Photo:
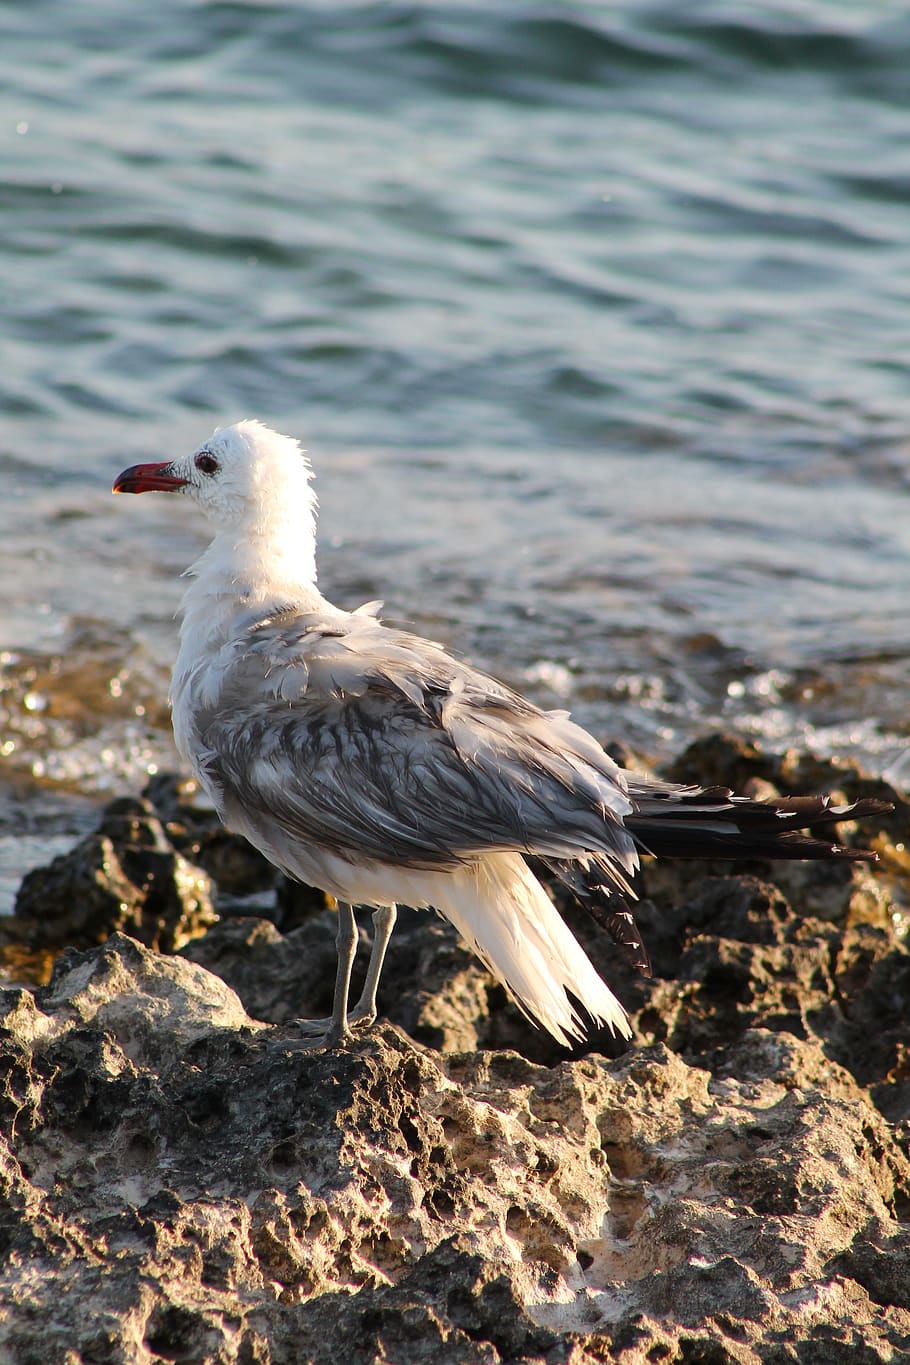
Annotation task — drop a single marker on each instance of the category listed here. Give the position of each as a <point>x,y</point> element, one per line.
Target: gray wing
<point>372,743</point>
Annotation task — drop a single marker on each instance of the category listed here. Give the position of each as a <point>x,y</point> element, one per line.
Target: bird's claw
<point>325,1033</point>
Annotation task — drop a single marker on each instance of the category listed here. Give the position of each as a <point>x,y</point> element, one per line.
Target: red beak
<point>148,478</point>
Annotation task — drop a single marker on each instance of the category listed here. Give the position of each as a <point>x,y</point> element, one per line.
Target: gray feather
<point>371,743</point>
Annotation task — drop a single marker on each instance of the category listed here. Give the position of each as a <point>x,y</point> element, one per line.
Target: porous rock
<point>125,876</point>
<point>181,1182</point>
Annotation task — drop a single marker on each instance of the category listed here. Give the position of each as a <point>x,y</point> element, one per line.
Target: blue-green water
<point>595,319</point>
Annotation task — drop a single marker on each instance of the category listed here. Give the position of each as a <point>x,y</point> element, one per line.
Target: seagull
<point>373,764</point>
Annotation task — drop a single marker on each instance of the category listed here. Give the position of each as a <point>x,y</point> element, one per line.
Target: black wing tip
<point>867,806</point>
<point>625,933</point>
<point>862,809</point>
<point>854,855</point>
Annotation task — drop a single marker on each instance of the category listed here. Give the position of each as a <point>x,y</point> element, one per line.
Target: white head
<point>255,486</point>
<point>243,476</point>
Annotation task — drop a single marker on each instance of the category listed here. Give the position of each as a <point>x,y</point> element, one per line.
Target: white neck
<point>266,563</point>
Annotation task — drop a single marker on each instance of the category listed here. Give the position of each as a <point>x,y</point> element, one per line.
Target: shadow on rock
<point>203,1189</point>
<point>456,1187</point>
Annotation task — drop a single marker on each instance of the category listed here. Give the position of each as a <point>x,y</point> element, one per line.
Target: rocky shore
<point>183,1182</point>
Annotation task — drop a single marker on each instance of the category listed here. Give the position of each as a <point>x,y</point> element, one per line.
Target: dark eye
<point>206,463</point>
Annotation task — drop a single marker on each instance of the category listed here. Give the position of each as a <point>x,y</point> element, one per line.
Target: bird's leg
<point>339,1031</point>
<point>384,917</point>
<point>336,1030</point>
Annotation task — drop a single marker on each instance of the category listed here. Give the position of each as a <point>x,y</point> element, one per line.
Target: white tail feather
<point>505,916</point>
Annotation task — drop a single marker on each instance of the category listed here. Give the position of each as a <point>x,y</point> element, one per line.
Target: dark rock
<point>746,959</point>
<point>195,1187</point>
<point>870,1032</point>
<point>296,903</point>
<point>278,977</point>
<point>883,1271</point>
<point>453,1307</point>
<point>125,876</point>
<point>721,760</point>
<point>196,832</point>
<point>239,870</point>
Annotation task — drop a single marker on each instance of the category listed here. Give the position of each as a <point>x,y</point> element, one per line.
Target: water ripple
<point>593,316</point>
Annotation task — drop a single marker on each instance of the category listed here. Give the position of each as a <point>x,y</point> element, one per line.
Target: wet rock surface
<point>182,1180</point>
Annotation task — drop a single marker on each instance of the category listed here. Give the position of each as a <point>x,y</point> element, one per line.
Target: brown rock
<point>194,1187</point>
